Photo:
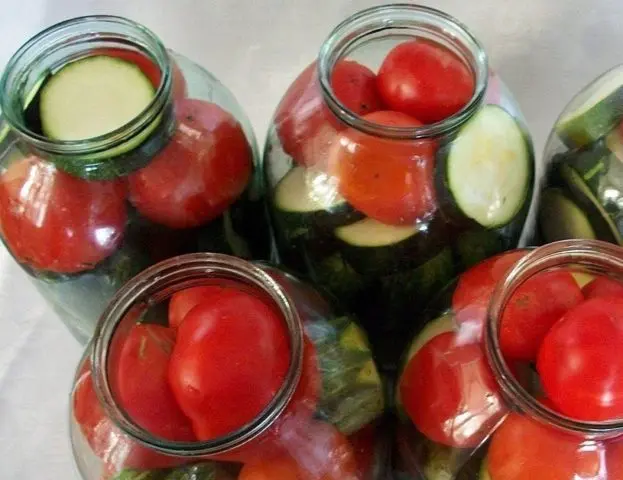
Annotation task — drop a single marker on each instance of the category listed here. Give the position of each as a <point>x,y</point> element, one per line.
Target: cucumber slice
<point>489,168</point>
<point>582,278</point>
<point>306,199</point>
<point>593,112</point>
<point>603,226</point>
<point>561,219</point>
<point>92,97</point>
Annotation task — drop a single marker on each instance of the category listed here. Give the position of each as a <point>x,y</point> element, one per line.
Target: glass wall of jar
<point>116,153</point>
<point>518,374</point>
<point>209,362</point>
<point>395,161</point>
<point>581,195</point>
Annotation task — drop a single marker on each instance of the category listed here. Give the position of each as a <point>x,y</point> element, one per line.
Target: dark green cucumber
<point>594,112</point>
<point>336,276</point>
<point>474,245</point>
<point>198,471</point>
<point>560,219</point>
<point>487,170</point>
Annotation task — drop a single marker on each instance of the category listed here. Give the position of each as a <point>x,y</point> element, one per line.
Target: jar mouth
<point>51,49</point>
<point>155,285</point>
<point>593,256</point>
<point>409,20</point>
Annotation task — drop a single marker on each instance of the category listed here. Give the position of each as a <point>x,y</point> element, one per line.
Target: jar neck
<point>403,20</point>
<point>591,256</point>
<point>155,285</point>
<point>47,52</point>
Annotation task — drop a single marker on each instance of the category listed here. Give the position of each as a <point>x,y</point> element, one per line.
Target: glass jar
<point>511,378</point>
<point>83,212</point>
<point>289,386</point>
<point>368,199</point>
<point>581,195</point>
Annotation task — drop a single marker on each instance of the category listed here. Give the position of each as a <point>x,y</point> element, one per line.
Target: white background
<point>545,50</point>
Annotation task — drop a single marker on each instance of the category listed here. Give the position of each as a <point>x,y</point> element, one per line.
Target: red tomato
<point>319,452</point>
<point>532,310</point>
<point>449,393</point>
<point>471,297</point>
<point>524,449</point>
<point>603,287</point>
<point>426,80</point>
<point>183,301</point>
<point>140,379</point>
<point>150,69</point>
<point>388,180</point>
<point>364,447</point>
<point>580,361</point>
<point>230,359</point>
<point>116,450</point>
<point>199,174</point>
<point>305,125</point>
<point>59,223</point>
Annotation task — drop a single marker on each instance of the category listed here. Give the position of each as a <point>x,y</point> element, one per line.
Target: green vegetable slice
<point>561,219</point>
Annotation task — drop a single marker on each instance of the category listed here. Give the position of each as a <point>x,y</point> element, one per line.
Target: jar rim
<point>401,16</point>
<point>81,31</point>
<point>157,283</point>
<point>593,255</point>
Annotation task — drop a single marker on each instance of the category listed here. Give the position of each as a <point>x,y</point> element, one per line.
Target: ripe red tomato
<point>116,450</point>
<point>388,180</point>
<point>426,80</point>
<point>199,174</point>
<point>319,452</point>
<point>449,393</point>
<point>230,359</point>
<point>150,69</point>
<point>364,447</point>
<point>183,301</point>
<point>579,361</point>
<point>532,310</point>
<point>603,287</point>
<point>471,297</point>
<point>59,223</point>
<point>305,125</point>
<point>140,380</point>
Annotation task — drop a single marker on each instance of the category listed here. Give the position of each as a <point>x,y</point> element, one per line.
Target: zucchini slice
<point>593,112</point>
<point>475,245</point>
<point>561,219</point>
<point>603,225</point>
<point>335,275</point>
<point>92,97</point>
<point>489,168</point>
<point>442,324</point>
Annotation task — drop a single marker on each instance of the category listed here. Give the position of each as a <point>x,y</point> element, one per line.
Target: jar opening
<point>403,21</point>
<point>157,284</point>
<point>582,256</point>
<point>68,41</point>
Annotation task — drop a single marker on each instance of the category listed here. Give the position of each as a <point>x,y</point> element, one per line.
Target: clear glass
<point>367,205</point>
<point>84,216</point>
<point>322,419</point>
<point>474,398</point>
<point>581,195</point>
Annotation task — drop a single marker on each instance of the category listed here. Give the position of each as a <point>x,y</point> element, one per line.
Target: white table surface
<point>544,49</point>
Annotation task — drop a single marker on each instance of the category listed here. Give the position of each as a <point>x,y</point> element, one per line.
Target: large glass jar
<point>116,153</point>
<point>395,161</point>
<point>581,195</point>
<point>517,374</point>
<point>265,379</point>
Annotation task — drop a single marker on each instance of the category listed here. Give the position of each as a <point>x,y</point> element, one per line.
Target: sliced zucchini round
<point>474,245</point>
<point>561,219</point>
<point>489,168</point>
<point>593,112</point>
<point>440,325</point>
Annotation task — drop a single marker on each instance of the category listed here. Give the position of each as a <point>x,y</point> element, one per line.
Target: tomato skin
<point>199,174</point>
<point>426,80</point>
<point>238,330</point>
<point>523,449</point>
<point>449,393</point>
<point>364,448</point>
<point>116,450</point>
<point>388,180</point>
<point>140,378</point>
<point>579,361</point>
<point>603,287</point>
<point>532,310</point>
<point>473,291</point>
<point>183,301</point>
<point>55,222</point>
<point>305,125</point>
